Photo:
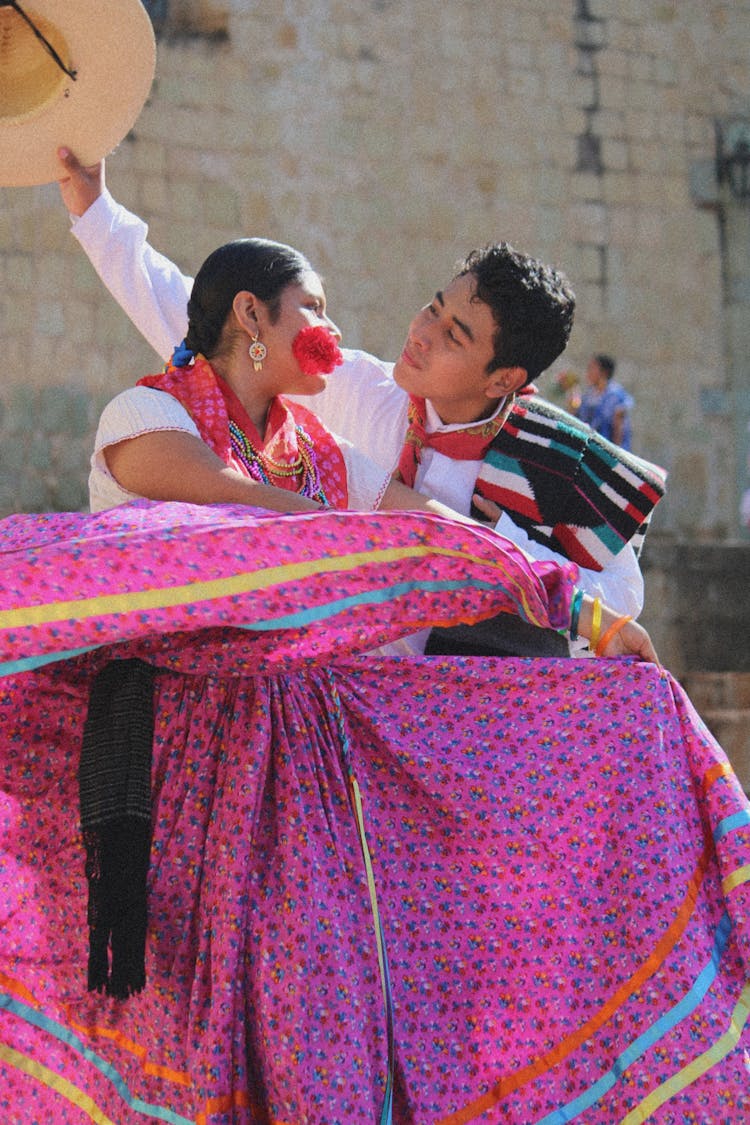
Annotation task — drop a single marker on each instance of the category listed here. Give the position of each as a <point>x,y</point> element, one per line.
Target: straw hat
<point>107,44</point>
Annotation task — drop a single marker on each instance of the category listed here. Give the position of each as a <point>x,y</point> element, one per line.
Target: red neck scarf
<point>293,437</point>
<point>468,444</point>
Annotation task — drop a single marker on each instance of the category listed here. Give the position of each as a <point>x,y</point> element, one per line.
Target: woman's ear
<point>505,380</point>
<point>245,307</point>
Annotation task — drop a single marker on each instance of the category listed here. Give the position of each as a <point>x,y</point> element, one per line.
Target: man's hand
<point>628,639</point>
<point>80,186</point>
<point>632,640</point>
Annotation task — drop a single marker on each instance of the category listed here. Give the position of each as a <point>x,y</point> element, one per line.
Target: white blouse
<point>143,410</point>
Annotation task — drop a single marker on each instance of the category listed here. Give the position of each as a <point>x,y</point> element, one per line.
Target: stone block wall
<point>386,140</point>
<point>698,613</point>
<point>698,604</point>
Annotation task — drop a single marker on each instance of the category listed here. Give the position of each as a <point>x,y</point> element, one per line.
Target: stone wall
<point>386,139</point>
<point>698,613</point>
<point>698,605</point>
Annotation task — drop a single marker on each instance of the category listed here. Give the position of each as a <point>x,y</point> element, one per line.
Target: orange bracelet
<point>613,630</point>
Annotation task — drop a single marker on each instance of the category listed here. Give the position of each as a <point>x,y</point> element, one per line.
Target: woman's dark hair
<point>532,305</point>
<point>258,265</point>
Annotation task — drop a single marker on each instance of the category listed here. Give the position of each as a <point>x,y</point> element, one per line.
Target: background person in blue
<point>605,404</point>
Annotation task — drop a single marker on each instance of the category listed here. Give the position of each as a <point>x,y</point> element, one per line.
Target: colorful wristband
<point>575,613</point>
<point>596,624</point>
<point>614,628</point>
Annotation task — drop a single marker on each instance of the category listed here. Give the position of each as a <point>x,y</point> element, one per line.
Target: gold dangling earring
<point>257,352</point>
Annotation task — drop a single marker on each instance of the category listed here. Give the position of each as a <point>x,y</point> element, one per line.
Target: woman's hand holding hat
<point>80,187</point>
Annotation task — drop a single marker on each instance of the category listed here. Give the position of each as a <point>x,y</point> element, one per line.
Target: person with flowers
<point>221,433</point>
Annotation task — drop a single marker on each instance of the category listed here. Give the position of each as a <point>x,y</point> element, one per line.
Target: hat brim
<point>113,52</point>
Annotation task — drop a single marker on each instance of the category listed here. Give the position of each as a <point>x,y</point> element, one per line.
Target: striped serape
<point>568,487</point>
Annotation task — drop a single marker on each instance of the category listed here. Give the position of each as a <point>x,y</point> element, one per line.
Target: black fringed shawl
<point>115,792</point>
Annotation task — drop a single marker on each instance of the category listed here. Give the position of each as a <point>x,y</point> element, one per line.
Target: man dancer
<point>436,415</point>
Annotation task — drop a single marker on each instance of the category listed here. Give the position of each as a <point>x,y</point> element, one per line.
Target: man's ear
<point>505,380</point>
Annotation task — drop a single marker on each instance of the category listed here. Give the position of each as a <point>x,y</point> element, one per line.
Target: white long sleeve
<point>151,289</point>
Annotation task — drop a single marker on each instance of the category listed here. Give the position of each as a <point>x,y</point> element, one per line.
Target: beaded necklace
<point>261,467</point>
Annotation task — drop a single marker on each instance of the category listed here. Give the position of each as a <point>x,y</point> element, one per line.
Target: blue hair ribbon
<point>182,355</point>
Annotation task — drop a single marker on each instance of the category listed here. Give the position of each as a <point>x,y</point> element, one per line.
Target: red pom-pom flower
<point>316,350</point>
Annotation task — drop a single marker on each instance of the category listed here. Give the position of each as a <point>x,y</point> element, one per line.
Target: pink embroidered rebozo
<point>316,351</point>
<point>211,403</point>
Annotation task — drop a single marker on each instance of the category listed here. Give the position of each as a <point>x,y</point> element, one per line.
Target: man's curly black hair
<point>532,305</point>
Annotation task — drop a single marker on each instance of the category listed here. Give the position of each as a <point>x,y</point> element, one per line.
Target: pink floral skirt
<point>419,890</point>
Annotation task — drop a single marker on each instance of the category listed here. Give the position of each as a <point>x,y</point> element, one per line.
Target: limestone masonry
<point>386,139</point>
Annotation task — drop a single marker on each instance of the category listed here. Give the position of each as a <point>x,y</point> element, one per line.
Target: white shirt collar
<point>433,423</point>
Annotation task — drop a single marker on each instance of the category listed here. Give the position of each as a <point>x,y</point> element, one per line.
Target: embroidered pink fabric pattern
<point>561,851</point>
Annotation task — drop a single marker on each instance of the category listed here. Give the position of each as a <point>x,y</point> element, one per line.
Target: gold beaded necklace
<point>261,467</point>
